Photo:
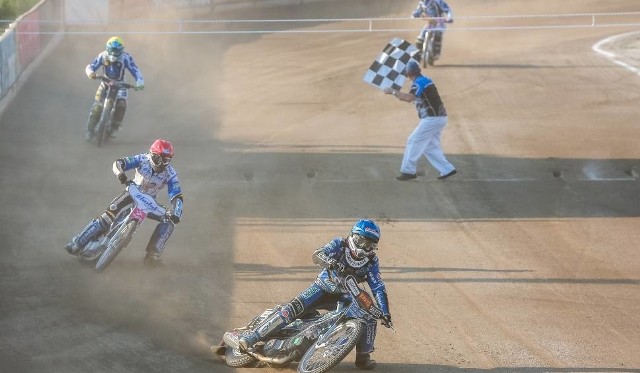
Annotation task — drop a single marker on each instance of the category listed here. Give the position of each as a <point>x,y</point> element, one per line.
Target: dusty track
<point>505,268</point>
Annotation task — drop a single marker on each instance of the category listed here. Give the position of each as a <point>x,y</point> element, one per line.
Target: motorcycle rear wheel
<point>327,352</point>
<point>119,241</point>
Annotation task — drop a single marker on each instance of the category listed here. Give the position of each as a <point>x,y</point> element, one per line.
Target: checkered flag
<point>386,70</point>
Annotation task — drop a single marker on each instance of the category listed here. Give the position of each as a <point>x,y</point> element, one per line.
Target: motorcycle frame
<point>105,123</point>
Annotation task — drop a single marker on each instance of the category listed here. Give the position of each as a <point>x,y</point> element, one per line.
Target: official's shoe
<point>403,176</point>
<point>363,361</point>
<point>454,172</point>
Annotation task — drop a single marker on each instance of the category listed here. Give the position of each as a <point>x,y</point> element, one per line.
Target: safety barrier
<point>25,42</point>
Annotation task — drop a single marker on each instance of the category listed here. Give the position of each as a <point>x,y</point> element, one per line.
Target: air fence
<point>29,38</point>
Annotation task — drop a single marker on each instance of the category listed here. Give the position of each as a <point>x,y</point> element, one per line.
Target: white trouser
<point>425,140</point>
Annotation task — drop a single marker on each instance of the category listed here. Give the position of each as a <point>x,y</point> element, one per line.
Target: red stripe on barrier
<point>28,38</point>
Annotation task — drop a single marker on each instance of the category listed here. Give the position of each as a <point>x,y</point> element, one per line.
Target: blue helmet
<point>412,68</point>
<point>364,237</point>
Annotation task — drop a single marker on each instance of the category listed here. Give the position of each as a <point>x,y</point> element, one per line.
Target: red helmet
<point>161,153</point>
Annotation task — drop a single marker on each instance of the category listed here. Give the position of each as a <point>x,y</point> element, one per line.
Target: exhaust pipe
<point>274,360</point>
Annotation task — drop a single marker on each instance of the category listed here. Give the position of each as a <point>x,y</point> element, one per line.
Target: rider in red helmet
<point>152,172</point>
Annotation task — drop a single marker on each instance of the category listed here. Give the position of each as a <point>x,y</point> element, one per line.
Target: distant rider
<point>433,9</point>
<point>114,60</point>
<point>354,254</point>
<point>153,172</point>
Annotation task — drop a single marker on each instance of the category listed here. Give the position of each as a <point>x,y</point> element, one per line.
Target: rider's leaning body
<point>353,255</point>
<point>153,172</point>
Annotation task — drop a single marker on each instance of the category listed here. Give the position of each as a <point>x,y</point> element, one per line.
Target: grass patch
<point>12,9</point>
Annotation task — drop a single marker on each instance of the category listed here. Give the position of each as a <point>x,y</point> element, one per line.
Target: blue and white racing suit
<point>149,182</point>
<point>324,291</point>
<point>114,68</point>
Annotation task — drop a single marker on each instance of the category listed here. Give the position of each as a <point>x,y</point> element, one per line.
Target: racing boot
<point>95,228</point>
<point>156,244</point>
<point>115,128</point>
<point>418,55</point>
<point>363,361</point>
<point>152,260</point>
<point>118,117</point>
<point>94,117</point>
<point>269,325</point>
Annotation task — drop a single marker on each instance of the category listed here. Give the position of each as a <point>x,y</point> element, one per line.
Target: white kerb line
<point>613,57</point>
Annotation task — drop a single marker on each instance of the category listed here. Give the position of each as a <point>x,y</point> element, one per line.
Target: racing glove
<point>448,17</point>
<point>174,218</point>
<point>92,75</point>
<point>139,85</point>
<point>386,321</point>
<point>123,178</point>
<point>336,265</point>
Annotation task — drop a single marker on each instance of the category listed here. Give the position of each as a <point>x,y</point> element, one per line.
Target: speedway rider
<point>153,172</point>
<point>353,255</point>
<point>114,60</point>
<point>432,9</point>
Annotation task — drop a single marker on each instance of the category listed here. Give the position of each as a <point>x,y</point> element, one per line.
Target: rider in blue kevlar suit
<point>433,9</point>
<point>114,60</point>
<point>355,255</point>
<point>153,172</point>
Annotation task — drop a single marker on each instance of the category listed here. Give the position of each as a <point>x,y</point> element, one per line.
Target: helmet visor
<point>364,246</point>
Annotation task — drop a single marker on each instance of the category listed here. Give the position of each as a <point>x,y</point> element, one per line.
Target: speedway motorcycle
<point>427,45</point>
<point>104,249</point>
<point>105,124</point>
<point>318,340</point>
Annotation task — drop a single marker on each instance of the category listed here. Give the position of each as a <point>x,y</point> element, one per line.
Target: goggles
<point>160,160</point>
<point>364,245</point>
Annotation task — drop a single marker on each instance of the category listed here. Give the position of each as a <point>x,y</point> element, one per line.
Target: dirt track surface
<point>280,146</point>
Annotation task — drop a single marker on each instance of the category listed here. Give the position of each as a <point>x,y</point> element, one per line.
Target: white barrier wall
<point>25,42</point>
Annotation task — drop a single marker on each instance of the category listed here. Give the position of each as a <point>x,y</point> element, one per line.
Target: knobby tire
<point>105,119</point>
<point>234,358</point>
<point>332,349</point>
<point>115,245</point>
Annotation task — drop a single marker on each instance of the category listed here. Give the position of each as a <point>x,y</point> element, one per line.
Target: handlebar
<point>114,83</point>
<point>147,203</point>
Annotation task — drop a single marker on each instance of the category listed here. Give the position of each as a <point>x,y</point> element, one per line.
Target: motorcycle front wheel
<point>327,352</point>
<point>104,123</point>
<point>234,358</point>
<point>119,241</point>
<point>425,50</point>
